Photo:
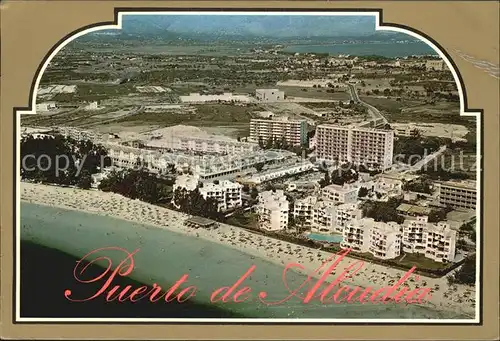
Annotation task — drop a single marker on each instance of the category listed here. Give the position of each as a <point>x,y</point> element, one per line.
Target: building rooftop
<point>409,209</point>
<point>469,184</point>
<point>199,222</point>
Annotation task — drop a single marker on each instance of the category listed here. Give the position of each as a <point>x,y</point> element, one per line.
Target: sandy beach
<point>456,298</point>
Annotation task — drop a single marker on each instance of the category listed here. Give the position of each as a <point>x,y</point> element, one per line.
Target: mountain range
<point>275,26</point>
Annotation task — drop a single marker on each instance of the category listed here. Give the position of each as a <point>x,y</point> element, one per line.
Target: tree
<point>363,192</point>
<point>259,166</point>
<point>467,272</point>
<point>85,180</point>
<point>254,193</point>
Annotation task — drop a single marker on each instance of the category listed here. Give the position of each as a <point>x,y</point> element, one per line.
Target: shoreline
<point>444,298</point>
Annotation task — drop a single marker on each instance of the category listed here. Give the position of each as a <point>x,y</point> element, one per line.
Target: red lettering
<point>228,290</point>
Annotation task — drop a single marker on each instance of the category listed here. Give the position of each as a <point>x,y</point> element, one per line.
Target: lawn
<point>421,262</point>
<point>246,219</point>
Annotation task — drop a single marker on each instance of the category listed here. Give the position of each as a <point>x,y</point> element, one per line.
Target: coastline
<point>262,247</point>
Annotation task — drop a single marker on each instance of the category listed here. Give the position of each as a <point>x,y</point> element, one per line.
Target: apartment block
<point>345,213</point>
<point>303,210</point>
<point>227,194</point>
<point>340,194</point>
<point>273,210</point>
<point>323,217</point>
<point>269,95</point>
<point>382,240</point>
<point>293,132</point>
<point>457,194</point>
<point>435,241</point>
<point>367,146</point>
<point>202,145</point>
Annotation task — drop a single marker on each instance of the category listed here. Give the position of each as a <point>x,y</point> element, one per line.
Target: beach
<point>458,299</point>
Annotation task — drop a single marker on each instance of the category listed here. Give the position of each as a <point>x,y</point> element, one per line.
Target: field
<point>207,115</point>
<point>319,93</point>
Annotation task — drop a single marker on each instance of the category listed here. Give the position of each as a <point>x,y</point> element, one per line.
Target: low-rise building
<point>340,194</point>
<point>272,210</point>
<point>457,194</point>
<point>269,95</point>
<point>436,65</point>
<point>46,106</point>
<point>276,173</point>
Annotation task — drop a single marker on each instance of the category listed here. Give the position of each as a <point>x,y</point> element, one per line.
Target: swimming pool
<point>325,237</point>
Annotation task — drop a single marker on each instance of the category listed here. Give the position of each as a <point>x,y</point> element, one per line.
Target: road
<point>404,168</point>
<point>374,112</point>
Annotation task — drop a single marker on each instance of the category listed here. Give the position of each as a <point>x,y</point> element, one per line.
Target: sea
<point>391,50</point>
<point>54,239</point>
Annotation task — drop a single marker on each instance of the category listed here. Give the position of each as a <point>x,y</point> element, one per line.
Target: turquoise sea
<point>165,256</point>
<point>391,50</point>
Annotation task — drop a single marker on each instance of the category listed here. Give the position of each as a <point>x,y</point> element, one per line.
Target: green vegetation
<point>243,219</point>
<point>411,150</point>
<point>383,211</point>
<point>420,261</point>
<point>443,175</point>
<point>466,274</point>
<point>56,160</point>
<point>138,184</point>
<point>193,203</point>
<point>419,185</point>
<point>363,192</point>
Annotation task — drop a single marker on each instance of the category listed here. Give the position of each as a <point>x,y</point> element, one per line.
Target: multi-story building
<point>269,95</point>
<point>340,194</point>
<point>272,210</point>
<point>323,217</point>
<point>303,210</point>
<point>367,146</point>
<point>457,194</point>
<point>207,145</point>
<point>435,241</point>
<point>383,240</point>
<point>294,132</point>
<point>344,213</point>
<point>227,194</point>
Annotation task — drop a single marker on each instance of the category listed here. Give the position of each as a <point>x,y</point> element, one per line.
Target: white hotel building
<point>435,241</point>
<point>273,209</point>
<point>383,240</point>
<point>355,144</point>
<point>340,194</point>
<point>303,209</point>
<point>293,131</point>
<point>227,194</point>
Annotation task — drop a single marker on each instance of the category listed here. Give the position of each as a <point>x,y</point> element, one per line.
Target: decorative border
<point>117,24</point>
